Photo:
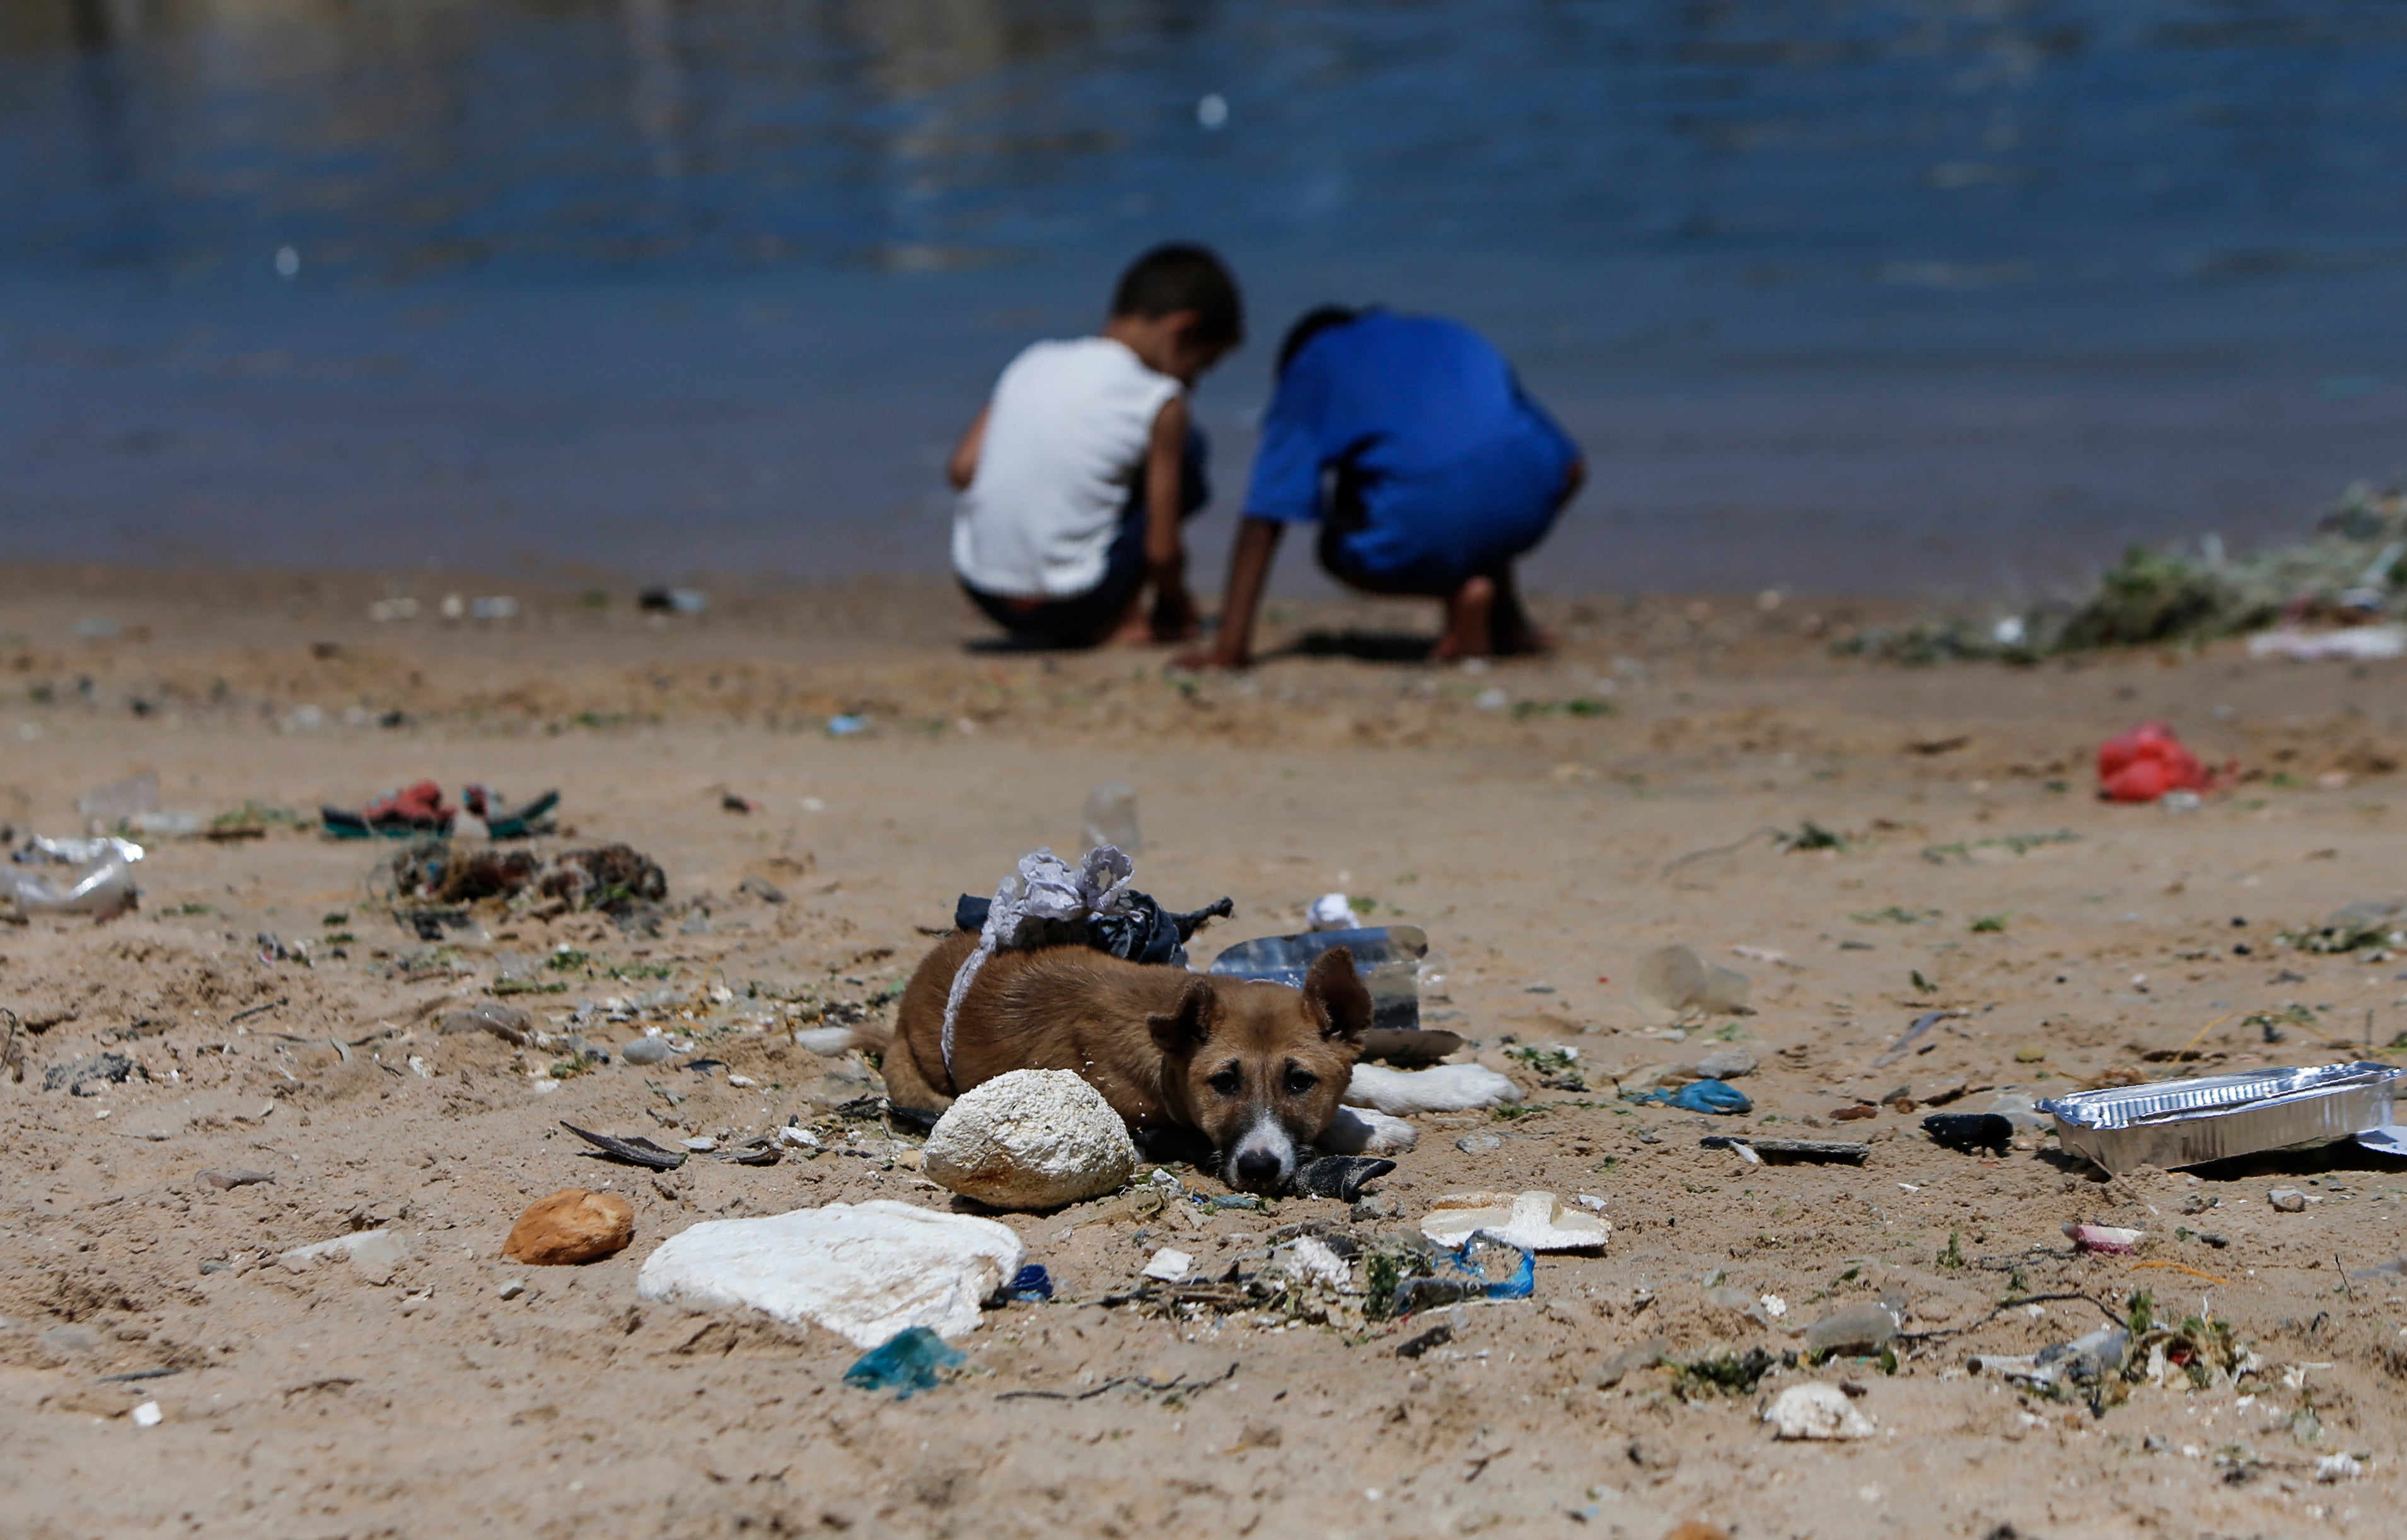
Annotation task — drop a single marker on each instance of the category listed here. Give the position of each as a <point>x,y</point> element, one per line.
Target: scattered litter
<point>40,851</point>
<point>148,1415</point>
<point>1388,961</point>
<point>412,810</point>
<point>1816,1412</point>
<point>116,805</point>
<point>1821,1151</point>
<point>1032,1138</point>
<point>506,1022</point>
<point>1533,1222</point>
<point>2108,1240</point>
<point>2338,1467</point>
<point>1367,1131</point>
<point>2145,763</point>
<point>1332,912</point>
<point>864,1271</point>
<point>846,726</point>
<point>2172,1123</point>
<point>373,1254</point>
<point>673,600</point>
<point>1715,1096</point>
<point>1339,1177</point>
<point>1441,1088</point>
<point>700,1145</point>
<point>1436,1336</point>
<point>1863,1326</point>
<point>503,821</point>
<point>78,1077</point>
<point>571,1226</point>
<point>1970,1132</point>
<point>226,1181</point>
<point>2353,644</point>
<point>1481,1269</point>
<point>1031,1285</point>
<point>1111,818</point>
<point>1674,981</point>
<point>614,879</point>
<point>906,1363</point>
<point>1915,1034</point>
<point>637,1151</point>
<point>1311,1261</point>
<point>1170,1266</point>
<point>103,888</point>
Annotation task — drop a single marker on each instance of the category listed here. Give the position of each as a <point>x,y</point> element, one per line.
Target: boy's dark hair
<point>1311,325</point>
<point>1181,275</point>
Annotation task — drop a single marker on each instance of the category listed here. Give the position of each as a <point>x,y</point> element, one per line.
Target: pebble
<point>573,1225</point>
<point>512,1289</point>
<point>506,1022</point>
<point>1864,1327</point>
<point>228,1180</point>
<point>1479,1143</point>
<point>2289,1200</point>
<point>1816,1412</point>
<point>647,1050</point>
<point>373,1254</point>
<point>701,1144</point>
<point>1726,1063</point>
<point>148,1415</point>
<point>1033,1138</point>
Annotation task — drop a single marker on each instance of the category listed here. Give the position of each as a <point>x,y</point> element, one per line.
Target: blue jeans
<point>1084,620</point>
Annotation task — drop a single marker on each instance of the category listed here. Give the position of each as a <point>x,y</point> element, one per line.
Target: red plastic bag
<point>2147,763</point>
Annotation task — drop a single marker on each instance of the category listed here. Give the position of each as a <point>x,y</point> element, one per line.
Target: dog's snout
<point>1257,1168</point>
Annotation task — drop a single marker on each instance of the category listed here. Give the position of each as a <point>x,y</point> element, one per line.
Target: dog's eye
<point>1300,1081</point>
<point>1228,1082</point>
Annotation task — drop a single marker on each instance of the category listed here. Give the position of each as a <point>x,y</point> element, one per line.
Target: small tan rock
<point>572,1226</point>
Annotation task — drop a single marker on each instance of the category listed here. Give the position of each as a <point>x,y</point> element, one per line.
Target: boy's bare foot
<point>1511,631</point>
<point>1468,612</point>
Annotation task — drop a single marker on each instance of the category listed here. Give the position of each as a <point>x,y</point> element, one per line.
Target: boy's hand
<point>1174,615</point>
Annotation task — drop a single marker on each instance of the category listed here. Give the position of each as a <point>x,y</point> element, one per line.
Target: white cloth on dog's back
<point>1042,902</point>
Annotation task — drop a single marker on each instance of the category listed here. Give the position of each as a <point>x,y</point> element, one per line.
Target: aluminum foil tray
<point>2173,1123</point>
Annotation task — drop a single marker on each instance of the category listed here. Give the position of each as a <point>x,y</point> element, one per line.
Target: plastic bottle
<point>1388,960</point>
<point>1111,817</point>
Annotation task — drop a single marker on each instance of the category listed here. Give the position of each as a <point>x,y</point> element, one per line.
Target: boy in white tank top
<point>1074,479</point>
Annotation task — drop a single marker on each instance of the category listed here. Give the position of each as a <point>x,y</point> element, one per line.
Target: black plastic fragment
<point>1340,1177</point>
<point>1970,1132</point>
<point>1436,1336</point>
<point>633,1151</point>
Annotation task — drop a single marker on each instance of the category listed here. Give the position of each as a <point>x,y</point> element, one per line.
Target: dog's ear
<point>1335,994</point>
<point>1188,1026</point>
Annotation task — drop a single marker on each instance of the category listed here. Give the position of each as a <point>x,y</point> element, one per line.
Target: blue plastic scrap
<point>1472,1273</point>
<point>1031,1285</point>
<point>906,1363</point>
<point>1702,1096</point>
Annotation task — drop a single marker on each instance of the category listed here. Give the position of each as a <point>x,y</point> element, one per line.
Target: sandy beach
<point>1549,823</point>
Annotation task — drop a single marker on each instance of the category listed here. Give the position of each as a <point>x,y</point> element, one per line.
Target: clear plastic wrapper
<point>1387,958</point>
<point>102,887</point>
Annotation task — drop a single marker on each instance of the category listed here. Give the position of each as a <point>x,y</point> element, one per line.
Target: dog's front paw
<point>1361,1130</point>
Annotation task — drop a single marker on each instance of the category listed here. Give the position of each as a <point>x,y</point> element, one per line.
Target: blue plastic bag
<point>906,1363</point>
<point>1031,1285</point>
<point>1704,1096</point>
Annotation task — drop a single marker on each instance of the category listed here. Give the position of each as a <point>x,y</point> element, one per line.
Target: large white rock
<point>863,1271</point>
<point>1818,1412</point>
<point>1534,1221</point>
<point>1441,1088</point>
<point>1034,1138</point>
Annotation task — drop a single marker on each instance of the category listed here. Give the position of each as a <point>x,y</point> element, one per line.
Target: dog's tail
<point>829,1042</point>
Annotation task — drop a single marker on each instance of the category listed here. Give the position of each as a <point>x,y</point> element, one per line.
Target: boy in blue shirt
<point>1430,470</point>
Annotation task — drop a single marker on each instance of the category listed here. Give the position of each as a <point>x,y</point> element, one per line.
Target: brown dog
<point>1258,1069</point>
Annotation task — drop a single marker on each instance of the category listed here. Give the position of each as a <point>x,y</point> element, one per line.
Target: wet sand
<point>1529,815</point>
